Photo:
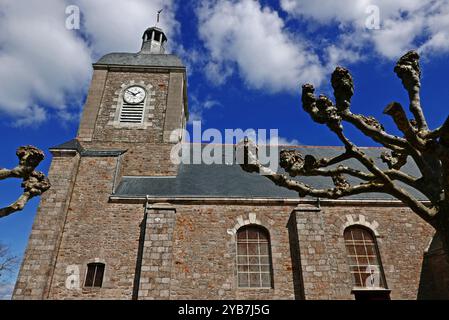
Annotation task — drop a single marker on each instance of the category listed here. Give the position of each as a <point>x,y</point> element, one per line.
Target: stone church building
<point>122,221</point>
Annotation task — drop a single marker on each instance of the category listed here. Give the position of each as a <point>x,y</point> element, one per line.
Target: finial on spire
<point>159,14</point>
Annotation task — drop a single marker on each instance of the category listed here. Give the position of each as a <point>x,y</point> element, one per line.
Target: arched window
<point>94,275</point>
<point>254,266</point>
<point>364,258</point>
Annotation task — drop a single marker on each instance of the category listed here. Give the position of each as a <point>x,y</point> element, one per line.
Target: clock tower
<point>135,102</point>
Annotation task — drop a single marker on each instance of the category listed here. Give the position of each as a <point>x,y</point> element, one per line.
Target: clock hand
<point>131,92</point>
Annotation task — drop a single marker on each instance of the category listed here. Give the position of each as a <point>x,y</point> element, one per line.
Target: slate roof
<point>230,181</point>
<point>141,59</point>
<point>69,145</point>
<point>76,146</point>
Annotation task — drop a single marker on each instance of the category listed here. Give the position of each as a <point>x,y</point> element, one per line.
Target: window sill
<point>89,289</point>
<point>369,294</point>
<point>253,289</point>
<point>357,290</point>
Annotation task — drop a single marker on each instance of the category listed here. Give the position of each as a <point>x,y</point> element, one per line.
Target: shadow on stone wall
<point>136,283</point>
<point>295,257</point>
<point>434,280</point>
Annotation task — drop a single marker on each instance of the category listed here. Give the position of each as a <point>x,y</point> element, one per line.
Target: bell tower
<point>136,102</point>
<point>154,41</point>
<point>136,97</point>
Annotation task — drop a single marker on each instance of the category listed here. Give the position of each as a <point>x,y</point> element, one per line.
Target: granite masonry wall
<point>190,251</point>
<point>34,278</point>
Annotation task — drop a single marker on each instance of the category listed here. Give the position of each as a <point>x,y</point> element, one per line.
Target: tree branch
<point>396,111</point>
<point>305,190</point>
<point>409,71</point>
<point>34,183</point>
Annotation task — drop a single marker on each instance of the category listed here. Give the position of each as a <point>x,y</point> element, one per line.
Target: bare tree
<point>429,149</point>
<point>8,262</point>
<point>34,183</point>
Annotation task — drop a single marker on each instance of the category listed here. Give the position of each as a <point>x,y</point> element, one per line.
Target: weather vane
<point>159,14</point>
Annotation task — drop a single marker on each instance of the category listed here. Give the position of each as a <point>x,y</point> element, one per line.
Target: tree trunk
<point>434,281</point>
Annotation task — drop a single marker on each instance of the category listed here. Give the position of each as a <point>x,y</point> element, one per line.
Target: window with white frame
<point>364,258</point>
<point>254,265</point>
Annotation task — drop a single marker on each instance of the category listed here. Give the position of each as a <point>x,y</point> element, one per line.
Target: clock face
<point>134,95</point>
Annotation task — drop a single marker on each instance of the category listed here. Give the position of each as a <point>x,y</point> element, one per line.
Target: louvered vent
<point>132,113</point>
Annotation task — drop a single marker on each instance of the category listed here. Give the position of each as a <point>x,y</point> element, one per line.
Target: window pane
<point>264,260</point>
<point>252,234</point>
<point>266,280</point>
<point>243,280</point>
<point>90,276</point>
<point>254,280</point>
<point>263,236</point>
<point>264,247</point>
<point>253,249</point>
<point>254,260</point>
<point>243,268</point>
<point>241,235</point>
<point>265,268</point>
<point>99,276</point>
<point>254,268</point>
<point>242,249</point>
<point>242,259</point>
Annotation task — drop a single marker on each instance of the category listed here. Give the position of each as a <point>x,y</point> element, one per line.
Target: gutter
<point>245,200</point>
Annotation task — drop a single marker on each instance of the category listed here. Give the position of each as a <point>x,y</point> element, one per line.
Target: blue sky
<point>246,62</point>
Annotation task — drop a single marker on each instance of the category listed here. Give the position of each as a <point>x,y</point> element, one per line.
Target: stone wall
<point>108,130</point>
<point>191,254</point>
<point>155,263</point>
<point>140,159</point>
<point>37,267</point>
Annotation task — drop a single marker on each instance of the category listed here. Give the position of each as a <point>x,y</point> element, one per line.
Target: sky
<point>246,62</point>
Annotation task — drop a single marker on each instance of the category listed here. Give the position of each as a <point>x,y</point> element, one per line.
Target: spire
<point>154,39</point>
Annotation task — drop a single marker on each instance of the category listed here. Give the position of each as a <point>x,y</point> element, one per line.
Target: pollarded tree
<point>429,149</point>
<point>34,183</point>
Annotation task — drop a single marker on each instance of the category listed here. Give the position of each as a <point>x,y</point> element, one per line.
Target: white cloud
<point>404,24</point>
<point>41,62</point>
<point>46,68</point>
<point>199,105</point>
<point>253,39</point>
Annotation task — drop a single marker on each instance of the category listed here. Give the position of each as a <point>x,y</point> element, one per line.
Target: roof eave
<point>123,66</point>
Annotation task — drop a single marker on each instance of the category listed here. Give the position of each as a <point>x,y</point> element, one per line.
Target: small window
<point>94,276</point>
<point>364,258</point>
<point>254,265</point>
